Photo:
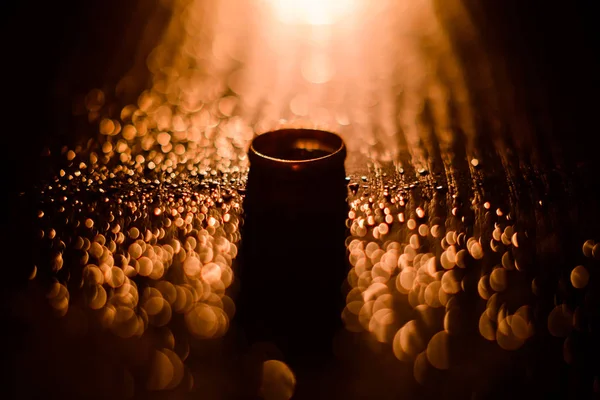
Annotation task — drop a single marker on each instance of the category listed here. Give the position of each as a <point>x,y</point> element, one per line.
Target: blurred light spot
<point>580,277</point>
<point>438,352</point>
<point>278,381</point>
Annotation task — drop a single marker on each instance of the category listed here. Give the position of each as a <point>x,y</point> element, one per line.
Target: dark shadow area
<point>293,259</point>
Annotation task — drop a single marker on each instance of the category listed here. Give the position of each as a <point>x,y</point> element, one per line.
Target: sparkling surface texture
<point>472,233</point>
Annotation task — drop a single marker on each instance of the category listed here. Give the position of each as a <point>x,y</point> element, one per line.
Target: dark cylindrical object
<point>293,254</point>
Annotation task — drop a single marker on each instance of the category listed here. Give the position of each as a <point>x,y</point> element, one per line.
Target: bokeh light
<point>138,231</point>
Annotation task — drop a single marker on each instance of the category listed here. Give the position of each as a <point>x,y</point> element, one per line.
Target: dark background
<point>54,51</point>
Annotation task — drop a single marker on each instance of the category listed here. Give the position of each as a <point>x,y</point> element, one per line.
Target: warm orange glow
<point>312,12</point>
<point>356,67</point>
<point>278,381</point>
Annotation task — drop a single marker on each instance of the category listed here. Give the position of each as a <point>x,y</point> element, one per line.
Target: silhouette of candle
<point>293,253</point>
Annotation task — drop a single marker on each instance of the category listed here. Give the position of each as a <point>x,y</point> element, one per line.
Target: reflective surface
<point>471,226</point>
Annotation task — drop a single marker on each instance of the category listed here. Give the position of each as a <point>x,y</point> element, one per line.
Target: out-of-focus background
<point>544,53</point>
<point>472,177</point>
